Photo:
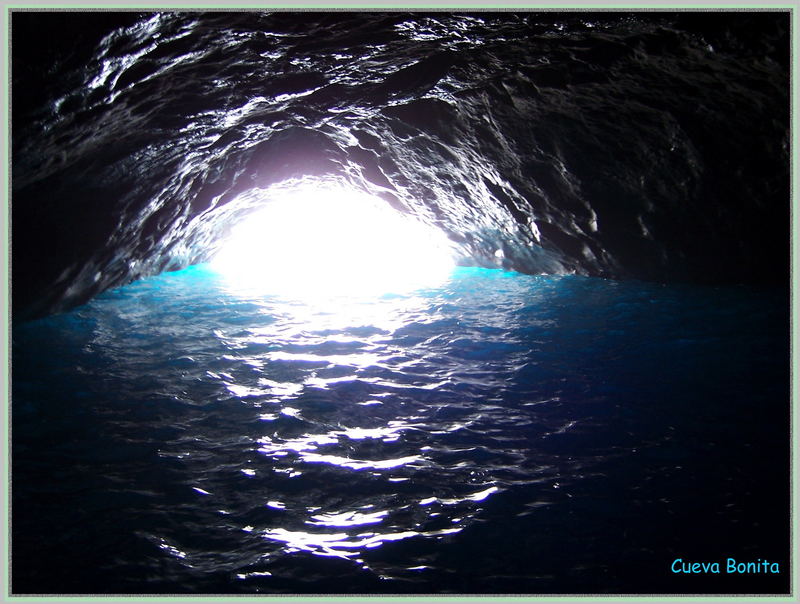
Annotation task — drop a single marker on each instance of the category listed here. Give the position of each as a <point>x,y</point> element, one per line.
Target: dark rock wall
<point>650,145</point>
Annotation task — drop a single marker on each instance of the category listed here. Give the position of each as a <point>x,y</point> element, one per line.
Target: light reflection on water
<point>306,369</point>
<point>255,431</point>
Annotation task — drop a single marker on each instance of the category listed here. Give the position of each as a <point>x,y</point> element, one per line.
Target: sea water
<point>501,433</point>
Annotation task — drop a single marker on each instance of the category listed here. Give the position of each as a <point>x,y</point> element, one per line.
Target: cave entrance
<point>318,242</point>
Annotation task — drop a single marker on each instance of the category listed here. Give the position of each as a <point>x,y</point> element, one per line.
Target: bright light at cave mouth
<point>318,243</point>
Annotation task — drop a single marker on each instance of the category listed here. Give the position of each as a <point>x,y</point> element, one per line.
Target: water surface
<point>500,434</point>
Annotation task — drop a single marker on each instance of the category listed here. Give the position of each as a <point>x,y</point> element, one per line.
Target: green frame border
<point>6,8</point>
<point>403,5</point>
<point>5,302</point>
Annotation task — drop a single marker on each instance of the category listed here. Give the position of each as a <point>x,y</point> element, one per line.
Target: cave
<point>600,390</point>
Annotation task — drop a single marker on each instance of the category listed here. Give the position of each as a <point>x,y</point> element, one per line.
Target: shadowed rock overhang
<point>637,145</point>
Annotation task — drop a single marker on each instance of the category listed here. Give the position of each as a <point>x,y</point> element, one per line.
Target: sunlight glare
<point>333,242</point>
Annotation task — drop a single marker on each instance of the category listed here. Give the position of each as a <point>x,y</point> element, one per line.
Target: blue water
<point>500,434</point>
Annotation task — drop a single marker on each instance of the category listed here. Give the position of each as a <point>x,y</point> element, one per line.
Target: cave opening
<point>323,241</point>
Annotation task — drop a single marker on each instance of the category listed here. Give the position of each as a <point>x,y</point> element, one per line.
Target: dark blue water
<point>501,434</point>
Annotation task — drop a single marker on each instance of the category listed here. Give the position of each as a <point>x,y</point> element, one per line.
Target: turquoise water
<point>500,434</point>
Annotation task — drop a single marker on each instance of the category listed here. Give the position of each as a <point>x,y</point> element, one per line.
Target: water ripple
<point>401,440</point>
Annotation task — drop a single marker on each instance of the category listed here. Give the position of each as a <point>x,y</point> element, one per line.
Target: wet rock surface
<point>650,145</point>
